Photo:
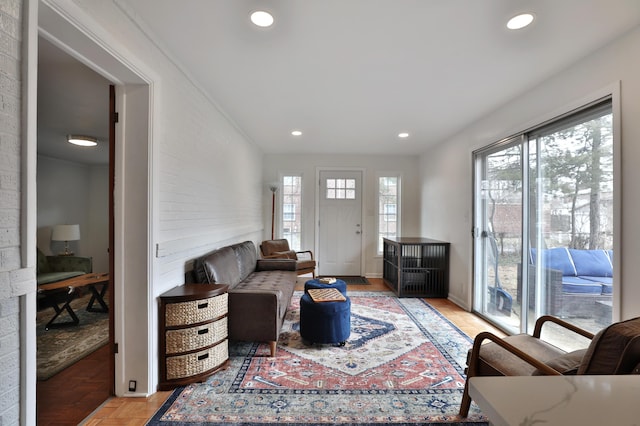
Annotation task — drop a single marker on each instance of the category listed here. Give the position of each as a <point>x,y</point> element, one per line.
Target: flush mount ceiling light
<point>82,140</point>
<point>262,18</point>
<point>296,133</point>
<point>520,21</point>
<point>403,135</point>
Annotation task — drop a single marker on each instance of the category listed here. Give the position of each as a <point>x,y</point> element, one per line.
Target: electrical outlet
<point>132,385</point>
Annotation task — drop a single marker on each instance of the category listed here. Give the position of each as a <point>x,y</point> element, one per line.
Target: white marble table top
<point>558,400</point>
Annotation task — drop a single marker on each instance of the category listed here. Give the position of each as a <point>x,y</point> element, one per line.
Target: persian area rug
<point>58,348</point>
<point>403,364</point>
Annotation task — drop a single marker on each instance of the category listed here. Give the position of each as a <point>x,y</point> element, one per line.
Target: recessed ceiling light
<point>262,18</point>
<point>296,133</point>
<point>403,135</point>
<point>82,140</point>
<point>520,21</point>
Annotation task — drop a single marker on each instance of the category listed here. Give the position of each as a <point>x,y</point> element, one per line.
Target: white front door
<point>340,223</point>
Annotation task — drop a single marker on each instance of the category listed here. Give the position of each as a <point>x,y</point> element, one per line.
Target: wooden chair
<point>279,249</point>
<point>613,350</point>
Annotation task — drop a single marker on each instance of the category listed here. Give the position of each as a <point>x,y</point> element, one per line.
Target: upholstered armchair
<point>613,350</point>
<point>279,249</point>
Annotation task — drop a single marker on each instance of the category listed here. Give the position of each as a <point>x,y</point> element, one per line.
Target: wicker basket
<point>188,339</point>
<point>196,363</point>
<point>196,311</point>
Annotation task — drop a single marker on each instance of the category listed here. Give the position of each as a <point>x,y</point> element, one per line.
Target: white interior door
<point>340,222</point>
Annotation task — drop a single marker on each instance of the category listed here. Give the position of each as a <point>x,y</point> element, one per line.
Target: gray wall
<point>613,68</point>
<point>70,193</point>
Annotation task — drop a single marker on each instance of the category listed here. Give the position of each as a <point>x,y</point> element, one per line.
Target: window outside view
<point>388,223</point>
<point>292,210</point>
<point>568,245</point>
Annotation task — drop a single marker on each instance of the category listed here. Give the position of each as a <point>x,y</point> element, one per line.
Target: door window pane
<point>341,189</point>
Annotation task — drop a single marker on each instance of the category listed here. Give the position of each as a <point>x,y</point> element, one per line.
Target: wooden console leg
<point>272,346</point>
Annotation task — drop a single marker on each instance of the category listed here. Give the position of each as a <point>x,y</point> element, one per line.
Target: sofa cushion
<point>496,359</point>
<point>556,258</point>
<point>52,277</point>
<point>288,254</point>
<point>578,285</point>
<point>606,348</point>
<point>607,288</point>
<point>269,247</point>
<point>246,256</point>
<point>272,282</point>
<point>591,263</point>
<point>221,267</point>
<point>566,364</point>
<point>276,264</point>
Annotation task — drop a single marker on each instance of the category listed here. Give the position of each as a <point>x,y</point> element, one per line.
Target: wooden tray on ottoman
<point>326,295</point>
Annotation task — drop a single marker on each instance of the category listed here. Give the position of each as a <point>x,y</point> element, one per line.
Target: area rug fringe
<point>403,365</point>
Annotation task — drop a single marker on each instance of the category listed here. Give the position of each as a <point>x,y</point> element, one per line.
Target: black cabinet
<point>416,267</point>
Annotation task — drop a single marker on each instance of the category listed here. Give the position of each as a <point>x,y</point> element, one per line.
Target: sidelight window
<point>292,210</point>
<point>388,208</point>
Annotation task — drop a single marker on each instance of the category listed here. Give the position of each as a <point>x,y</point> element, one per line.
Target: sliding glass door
<point>543,223</point>
<point>498,231</point>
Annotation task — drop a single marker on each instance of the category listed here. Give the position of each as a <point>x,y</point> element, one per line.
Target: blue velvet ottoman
<point>316,283</point>
<point>325,322</point>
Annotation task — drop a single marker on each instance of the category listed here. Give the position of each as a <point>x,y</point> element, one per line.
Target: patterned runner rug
<point>58,348</point>
<point>403,364</point>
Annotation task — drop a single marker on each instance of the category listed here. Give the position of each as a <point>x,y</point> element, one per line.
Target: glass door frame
<point>532,232</point>
<point>479,236</point>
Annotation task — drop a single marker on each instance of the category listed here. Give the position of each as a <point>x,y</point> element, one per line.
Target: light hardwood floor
<point>137,411</point>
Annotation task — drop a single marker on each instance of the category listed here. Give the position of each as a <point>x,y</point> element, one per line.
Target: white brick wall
<point>13,280</point>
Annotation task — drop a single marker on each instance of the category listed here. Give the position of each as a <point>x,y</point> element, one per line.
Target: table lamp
<point>66,233</point>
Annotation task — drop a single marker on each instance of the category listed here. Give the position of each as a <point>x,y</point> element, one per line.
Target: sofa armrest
<point>254,316</point>
<point>276,264</point>
<point>70,263</point>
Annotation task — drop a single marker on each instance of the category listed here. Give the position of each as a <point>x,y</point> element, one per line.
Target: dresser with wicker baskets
<point>193,333</point>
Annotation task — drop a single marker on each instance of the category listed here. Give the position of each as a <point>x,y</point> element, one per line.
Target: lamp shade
<point>66,233</point>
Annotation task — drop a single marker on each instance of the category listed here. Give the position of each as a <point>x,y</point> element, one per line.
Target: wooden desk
<point>65,291</point>
<point>558,400</point>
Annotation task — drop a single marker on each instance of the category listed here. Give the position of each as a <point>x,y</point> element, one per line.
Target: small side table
<point>193,333</point>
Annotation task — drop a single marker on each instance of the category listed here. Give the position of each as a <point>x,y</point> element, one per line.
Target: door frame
<point>69,28</point>
<point>363,202</point>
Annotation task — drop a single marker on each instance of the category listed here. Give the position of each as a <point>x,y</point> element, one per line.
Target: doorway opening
<point>129,212</point>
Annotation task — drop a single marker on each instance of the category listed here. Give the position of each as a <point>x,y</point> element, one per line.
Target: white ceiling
<point>72,99</point>
<point>352,74</point>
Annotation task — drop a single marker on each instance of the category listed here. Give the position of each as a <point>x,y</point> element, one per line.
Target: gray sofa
<point>51,269</point>
<point>259,290</point>
<point>579,282</point>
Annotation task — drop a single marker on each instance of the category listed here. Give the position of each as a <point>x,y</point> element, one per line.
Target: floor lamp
<point>273,188</point>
